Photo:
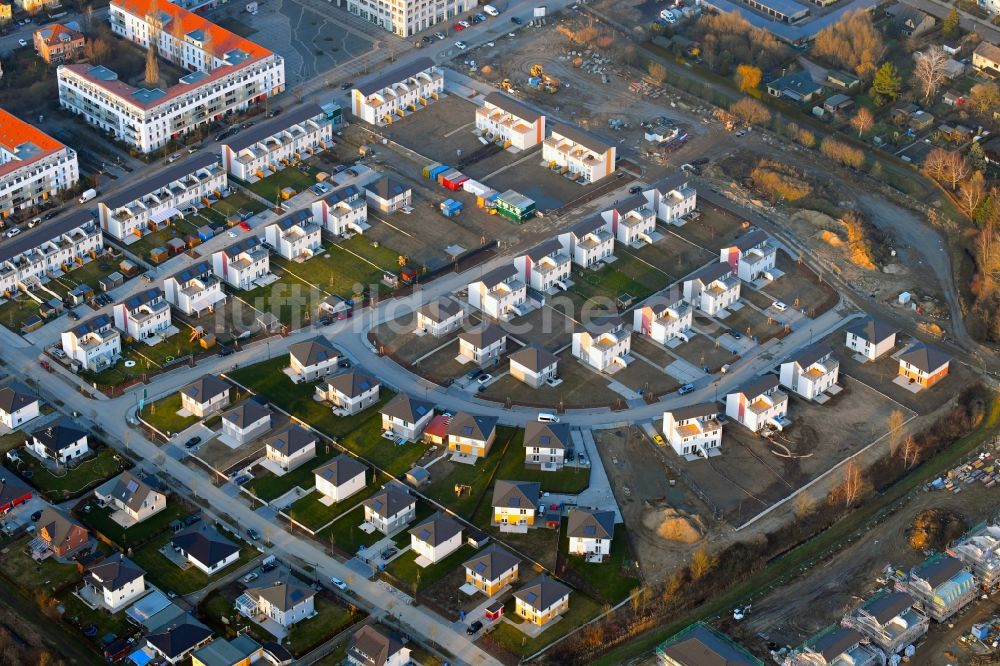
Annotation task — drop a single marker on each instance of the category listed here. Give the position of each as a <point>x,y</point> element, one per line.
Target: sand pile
<point>674,525</point>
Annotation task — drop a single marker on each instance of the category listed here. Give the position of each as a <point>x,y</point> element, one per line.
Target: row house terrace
<point>194,290</point>
<point>153,203</point>
<point>397,92</point>
<point>579,154</point>
<point>48,250</point>
<point>343,211</point>
<point>285,140</point>
<point>295,237</point>
<point>510,123</point>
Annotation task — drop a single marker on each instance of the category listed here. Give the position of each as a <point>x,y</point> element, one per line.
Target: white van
<point>548,418</point>
<point>491,10</point>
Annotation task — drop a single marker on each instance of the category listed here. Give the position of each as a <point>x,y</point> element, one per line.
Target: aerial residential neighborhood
<point>558,333</point>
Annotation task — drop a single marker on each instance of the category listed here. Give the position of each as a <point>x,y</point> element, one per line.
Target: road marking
<point>391,226</point>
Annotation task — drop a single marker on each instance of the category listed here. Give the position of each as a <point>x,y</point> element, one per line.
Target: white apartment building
<point>588,242</point>
<point>713,288</point>
<point>242,263</point>
<point>543,266</point>
<point>510,123</point>
<point>397,92</point>
<point>295,237</point>
<point>752,256</point>
<point>871,338</point>
<point>694,430</point>
<point>227,73</point>
<point>483,344</point>
<point>343,210</point>
<point>145,316</point>
<point>33,165</point>
<point>194,290</point>
<point>632,221</point>
<point>94,344</point>
<point>663,318</point>
<point>60,245</point>
<point>153,203</point>
<point>603,344</point>
<point>578,153</point>
<point>406,17</point>
<point>498,293</point>
<point>278,143</point>
<point>672,198</point>
<point>759,404</point>
<point>811,372</point>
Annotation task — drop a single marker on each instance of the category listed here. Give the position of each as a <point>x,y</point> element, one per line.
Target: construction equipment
<point>537,70</point>
<point>507,85</point>
<point>726,118</point>
<point>539,79</point>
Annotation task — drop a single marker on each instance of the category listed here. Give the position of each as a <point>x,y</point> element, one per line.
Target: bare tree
<point>748,77</point>
<point>750,111</point>
<point>863,120</point>
<point>851,42</point>
<point>895,430</point>
<point>947,166</point>
<point>910,453</point>
<point>657,72</point>
<point>701,563</point>
<point>152,65</point>
<point>850,487</point>
<point>972,192</point>
<point>929,71</point>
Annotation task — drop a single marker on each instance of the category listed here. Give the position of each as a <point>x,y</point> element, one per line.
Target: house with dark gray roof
<point>871,338</point>
<point>195,289</point>
<point>239,651</point>
<point>205,396</point>
<point>811,372</point>
<point>435,539</point>
<point>701,645</point>
<point>590,533</point>
<point>471,435</point>
<point>58,534</point>
<point>712,288</point>
<point>533,365</point>
<point>498,293</point>
<point>545,444</point>
<point>274,144</point>
<point>541,600</point>
<point>17,405</point>
<point>205,548</point>
<point>388,194</point>
<point>61,441</point>
<point>759,404</point>
<point>923,365</point>
<point>584,156</point>
<point>940,586</point>
<point>588,242</point>
<point>694,431</point>
<point>145,316</point>
<point>177,640</point>
<point>483,344</point>
<point>340,478</point>
<point>545,267</point>
<point>664,317</point>
<point>406,417</point>
<point>350,392</point>
<point>376,645</point>
<point>285,601</point>
<point>888,620</point>
<point>290,447</point>
<point>132,499</point>
<point>246,421</point>
<point>93,344</point>
<point>311,359</point>
<point>510,123</point>
<point>243,264</point>
<point>115,582</point>
<point>515,504</point>
<point>752,256</point>
<point>390,510</point>
<point>440,316</point>
<point>833,646</point>
<point>491,570</point>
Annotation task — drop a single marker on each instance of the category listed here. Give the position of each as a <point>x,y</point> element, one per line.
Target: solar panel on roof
<point>590,530</point>
<point>424,535</point>
<point>530,597</point>
<point>544,439</point>
<point>480,567</point>
<point>132,486</point>
<point>466,430</point>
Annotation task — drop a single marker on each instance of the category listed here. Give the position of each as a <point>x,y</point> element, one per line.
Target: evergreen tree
<point>887,83</point>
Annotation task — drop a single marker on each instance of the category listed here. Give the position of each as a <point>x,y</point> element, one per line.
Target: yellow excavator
<point>547,83</point>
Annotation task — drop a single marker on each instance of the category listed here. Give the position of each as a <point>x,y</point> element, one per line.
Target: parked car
<point>734,334</point>
<point>635,189</point>
<point>193,442</point>
<point>515,20</point>
<point>325,321</point>
<point>582,459</point>
<point>483,378</point>
<point>344,363</point>
<point>268,566</point>
<point>474,628</point>
<point>339,584</point>
<point>461,45</point>
<point>22,42</point>
<point>779,306</point>
<point>49,215</point>
<point>73,315</point>
<point>226,351</point>
<point>684,390</point>
<point>250,577</point>
<point>346,85</point>
<point>13,232</point>
<point>439,35</point>
<point>253,534</point>
<point>464,24</point>
<point>458,28</point>
<point>36,516</point>
<point>658,438</point>
<point>389,552</point>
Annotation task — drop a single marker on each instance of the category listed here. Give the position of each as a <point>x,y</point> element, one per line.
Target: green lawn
<point>99,519</point>
<point>615,578</point>
<point>163,416</point>
<point>163,573</point>
<point>384,257</point>
<point>220,604</point>
<point>234,202</point>
<point>17,310</point>
<point>627,275</point>
<point>477,476</point>
<point>414,578</point>
<point>73,483</point>
<point>33,576</point>
<point>569,480</point>
<point>180,229</point>
<point>88,274</point>
<point>289,298</point>
<point>331,618</point>
<point>346,534</point>
<point>148,360</point>
<point>314,514</point>
<point>270,187</point>
<point>12,440</point>
<point>80,615</point>
<point>366,440</point>
<point>337,271</point>
<point>581,609</point>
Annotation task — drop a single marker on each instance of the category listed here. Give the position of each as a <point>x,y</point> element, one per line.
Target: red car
<point>347,314</point>
<point>244,226</point>
<point>458,28</point>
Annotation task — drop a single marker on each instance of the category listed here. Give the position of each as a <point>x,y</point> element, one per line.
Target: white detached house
<point>243,263</point>
<point>603,344</point>
<point>694,430</point>
<point>871,338</point>
<point>390,510</point>
<point>662,318</point>
<point>206,549</point>
<point>145,316</point>
<point>533,366</point>
<point>290,447</point>
<point>295,237</point>
<point>435,539</point>
<point>246,421</point>
<point>406,417</point>
<point>482,345</point>
<point>713,288</point>
<point>340,478</point>
<point>590,532</point>
<point>285,601</point>
<point>17,406</point>
<point>544,267</point>
<point>60,441</point>
<point>588,242</point>
<point>116,582</point>
<point>811,372</point>
<point>759,404</point>
<point>311,359</point>
<point>498,293</point>
<point>204,396</point>
<point>350,392</point>
<point>440,317</point>
<point>752,256</point>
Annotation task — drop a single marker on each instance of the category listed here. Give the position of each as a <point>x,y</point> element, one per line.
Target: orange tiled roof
<point>222,41</point>
<point>56,29</point>
<point>15,132</point>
